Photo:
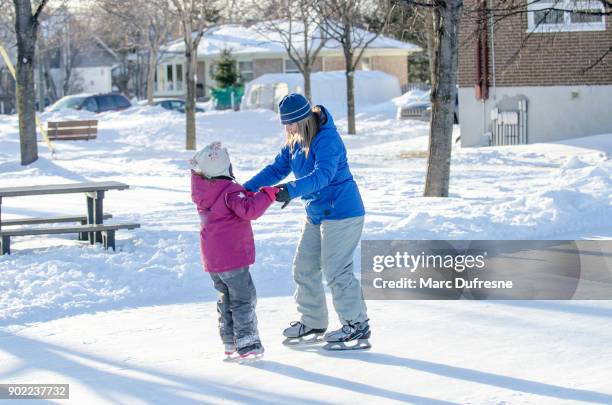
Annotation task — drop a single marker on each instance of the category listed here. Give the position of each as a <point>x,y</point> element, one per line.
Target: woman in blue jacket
<point>316,155</point>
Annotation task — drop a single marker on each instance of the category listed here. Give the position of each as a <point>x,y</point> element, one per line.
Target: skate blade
<point>230,358</point>
<point>302,341</point>
<point>250,358</point>
<point>359,344</point>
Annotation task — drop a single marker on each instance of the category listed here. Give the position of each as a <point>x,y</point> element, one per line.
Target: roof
<point>258,39</point>
<point>329,77</point>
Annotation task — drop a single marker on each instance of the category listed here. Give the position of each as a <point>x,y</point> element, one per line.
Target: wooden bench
<point>108,233</point>
<point>72,130</point>
<point>91,226</point>
<point>51,220</point>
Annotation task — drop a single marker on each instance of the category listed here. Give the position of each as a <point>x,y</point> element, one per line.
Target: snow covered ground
<point>138,324</point>
<point>463,352</point>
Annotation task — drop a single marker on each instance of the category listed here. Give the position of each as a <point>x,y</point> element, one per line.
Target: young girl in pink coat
<point>226,242</point>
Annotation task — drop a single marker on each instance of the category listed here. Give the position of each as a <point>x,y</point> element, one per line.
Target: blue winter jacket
<point>323,179</point>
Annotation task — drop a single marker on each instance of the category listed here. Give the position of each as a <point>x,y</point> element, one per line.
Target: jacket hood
<point>327,121</point>
<point>210,191</point>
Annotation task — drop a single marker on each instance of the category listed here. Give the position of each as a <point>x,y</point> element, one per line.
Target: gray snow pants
<point>327,250</point>
<point>236,307</point>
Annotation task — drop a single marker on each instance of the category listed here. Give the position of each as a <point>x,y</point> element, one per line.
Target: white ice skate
<point>353,336</point>
<point>299,334</point>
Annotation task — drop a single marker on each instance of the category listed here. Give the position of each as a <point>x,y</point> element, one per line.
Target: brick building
<point>257,52</point>
<point>537,76</point>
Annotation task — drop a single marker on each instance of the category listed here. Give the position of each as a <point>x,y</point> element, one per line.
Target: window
<point>106,103</point>
<point>179,77</point>
<point>291,67</point>
<point>121,102</point>
<point>169,78</point>
<point>177,105</point>
<point>90,104</point>
<point>245,70</point>
<point>67,102</point>
<point>551,16</point>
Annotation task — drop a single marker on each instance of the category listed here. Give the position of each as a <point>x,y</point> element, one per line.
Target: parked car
<point>174,104</point>
<point>96,103</point>
<point>419,108</point>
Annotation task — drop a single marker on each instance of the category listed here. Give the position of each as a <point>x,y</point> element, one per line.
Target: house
<point>91,68</point>
<point>258,51</point>
<point>538,76</point>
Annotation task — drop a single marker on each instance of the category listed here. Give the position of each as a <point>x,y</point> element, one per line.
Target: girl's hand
<point>270,191</point>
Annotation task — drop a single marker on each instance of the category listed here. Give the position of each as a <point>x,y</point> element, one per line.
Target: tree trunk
<point>307,87</point>
<point>25,29</point>
<point>66,83</point>
<point>151,75</point>
<point>67,63</point>
<point>350,99</point>
<point>190,125</point>
<point>431,44</point>
<point>443,99</point>
<point>40,82</point>
<point>49,83</point>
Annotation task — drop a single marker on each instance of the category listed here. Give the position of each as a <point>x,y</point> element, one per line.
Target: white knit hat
<point>212,161</point>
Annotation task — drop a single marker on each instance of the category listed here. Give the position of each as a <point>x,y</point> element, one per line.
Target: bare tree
<point>445,43</point>
<point>152,20</point>
<point>431,27</point>
<point>123,41</point>
<point>408,24</point>
<point>354,24</point>
<point>296,26</point>
<point>7,24</point>
<point>63,36</point>
<point>8,42</point>
<point>26,29</point>
<point>444,91</point>
<point>196,17</point>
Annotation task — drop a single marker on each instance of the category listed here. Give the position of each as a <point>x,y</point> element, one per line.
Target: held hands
<point>283,195</point>
<point>270,191</point>
<point>278,193</point>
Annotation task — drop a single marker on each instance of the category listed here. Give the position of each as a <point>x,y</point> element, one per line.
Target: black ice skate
<point>250,353</point>
<point>353,336</point>
<point>299,334</point>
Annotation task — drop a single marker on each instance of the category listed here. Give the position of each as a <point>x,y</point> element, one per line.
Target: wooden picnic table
<point>94,193</point>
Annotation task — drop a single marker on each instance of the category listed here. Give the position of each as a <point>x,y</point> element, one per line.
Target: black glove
<point>283,195</point>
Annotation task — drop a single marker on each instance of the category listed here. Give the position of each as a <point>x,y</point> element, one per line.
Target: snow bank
<point>328,89</point>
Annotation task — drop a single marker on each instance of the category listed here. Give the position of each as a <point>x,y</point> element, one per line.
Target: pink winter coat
<point>226,209</point>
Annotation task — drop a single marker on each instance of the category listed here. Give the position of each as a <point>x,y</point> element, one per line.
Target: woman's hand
<point>283,195</point>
